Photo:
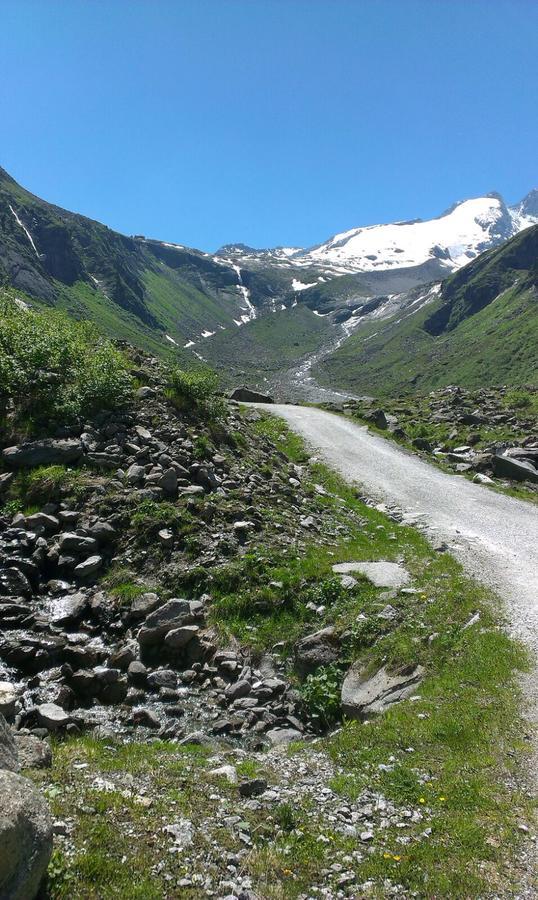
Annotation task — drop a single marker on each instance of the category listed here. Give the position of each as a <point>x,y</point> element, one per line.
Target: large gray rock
<point>25,837</point>
<point>246,395</point>
<point>517,469</point>
<point>8,698</point>
<point>173,614</point>
<point>68,610</point>
<point>363,695</point>
<point>32,752</point>
<point>88,567</point>
<point>8,751</point>
<point>42,453</point>
<point>381,573</point>
<point>52,716</point>
<point>315,650</point>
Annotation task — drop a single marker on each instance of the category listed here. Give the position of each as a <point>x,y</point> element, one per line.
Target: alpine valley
<point>403,305</point>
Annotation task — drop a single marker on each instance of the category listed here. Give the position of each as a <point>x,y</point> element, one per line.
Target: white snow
<point>301,286</point>
<point>462,233</point>
<point>171,339</point>
<point>320,315</point>
<point>24,228</point>
<point>248,307</point>
<point>188,344</point>
<point>206,334</point>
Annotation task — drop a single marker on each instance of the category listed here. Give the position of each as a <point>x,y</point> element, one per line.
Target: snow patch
<point>24,228</point>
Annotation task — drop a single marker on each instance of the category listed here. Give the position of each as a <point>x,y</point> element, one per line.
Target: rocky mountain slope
<point>237,308</point>
<point>478,329</point>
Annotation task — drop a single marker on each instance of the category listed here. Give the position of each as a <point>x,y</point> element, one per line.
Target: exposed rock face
<point>246,395</point>
<point>25,826</point>
<point>43,453</point>
<point>25,837</point>
<point>315,650</point>
<point>381,573</point>
<point>518,469</point>
<point>364,694</point>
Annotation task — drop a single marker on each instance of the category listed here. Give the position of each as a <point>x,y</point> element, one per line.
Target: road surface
<point>494,536</point>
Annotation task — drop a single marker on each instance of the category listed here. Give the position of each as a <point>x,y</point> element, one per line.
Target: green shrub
<point>321,695</point>
<point>195,393</point>
<point>53,369</point>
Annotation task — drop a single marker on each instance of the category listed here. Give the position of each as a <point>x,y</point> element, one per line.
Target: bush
<point>56,370</point>
<point>321,695</point>
<point>195,393</point>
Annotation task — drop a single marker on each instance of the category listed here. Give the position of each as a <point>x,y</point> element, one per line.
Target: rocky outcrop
<point>42,453</point>
<point>363,694</point>
<point>246,395</point>
<point>25,826</point>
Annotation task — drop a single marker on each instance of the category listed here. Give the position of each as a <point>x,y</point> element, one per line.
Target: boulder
<point>25,837</point>
<point>246,395</point>
<point>42,453</point>
<point>33,753</point>
<point>381,573</point>
<point>88,566</point>
<point>68,610</point>
<point>173,614</point>
<point>8,698</point>
<point>14,583</point>
<point>364,694</point>
<point>517,469</point>
<point>315,650</point>
<point>277,737</point>
<point>143,605</point>
<point>8,752</point>
<point>52,716</point>
<point>180,637</point>
<point>49,524</point>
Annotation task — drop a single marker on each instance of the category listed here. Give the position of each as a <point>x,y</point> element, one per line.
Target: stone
<point>42,453</point>
<point>25,837</point>
<point>88,567</point>
<point>237,690</point>
<point>68,610</point>
<point>381,573</point>
<point>137,673</point>
<point>277,737</point>
<point>480,478</point>
<point>33,753</point>
<point>14,583</point>
<point>166,537</point>
<point>78,543</point>
<point>103,532</point>
<point>52,717</point>
<point>178,638</point>
<point>168,482</point>
<point>49,524</point>
<point>315,650</point>
<point>162,678</point>
<point>253,787</point>
<point>143,605</point>
<point>364,694</point>
<point>9,758</point>
<point>9,696</point>
<point>227,772</point>
<point>173,614</point>
<point>146,717</point>
<point>246,395</point>
<point>517,469</point>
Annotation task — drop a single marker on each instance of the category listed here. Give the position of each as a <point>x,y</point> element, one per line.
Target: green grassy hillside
<point>482,330</point>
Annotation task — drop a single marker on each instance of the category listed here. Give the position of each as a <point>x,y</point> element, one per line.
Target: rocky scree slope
<point>489,434</point>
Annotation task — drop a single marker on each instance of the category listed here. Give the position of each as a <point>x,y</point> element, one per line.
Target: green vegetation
<point>480,332</point>
<point>194,393</point>
<point>55,370</point>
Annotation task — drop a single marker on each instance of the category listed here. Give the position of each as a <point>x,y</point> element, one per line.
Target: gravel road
<point>495,537</point>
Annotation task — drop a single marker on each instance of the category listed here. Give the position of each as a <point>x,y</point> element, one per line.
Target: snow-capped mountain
<point>453,239</point>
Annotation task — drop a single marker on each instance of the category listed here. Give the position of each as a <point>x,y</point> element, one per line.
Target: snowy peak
<point>456,237</point>
<point>452,239</point>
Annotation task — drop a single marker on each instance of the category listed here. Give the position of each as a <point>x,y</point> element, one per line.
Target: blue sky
<point>267,121</point>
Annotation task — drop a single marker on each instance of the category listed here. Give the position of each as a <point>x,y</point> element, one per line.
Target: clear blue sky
<point>267,121</point>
